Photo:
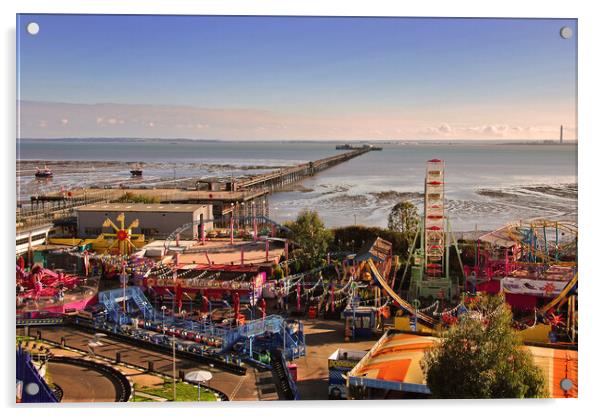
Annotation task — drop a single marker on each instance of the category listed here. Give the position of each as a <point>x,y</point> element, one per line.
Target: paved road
<point>235,387</point>
<point>322,338</point>
<point>81,384</point>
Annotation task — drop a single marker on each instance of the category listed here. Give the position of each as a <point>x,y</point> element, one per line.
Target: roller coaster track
<point>425,319</point>
<point>561,296</point>
<point>529,237</point>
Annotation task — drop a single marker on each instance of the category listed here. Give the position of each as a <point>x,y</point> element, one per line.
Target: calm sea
<point>486,184</point>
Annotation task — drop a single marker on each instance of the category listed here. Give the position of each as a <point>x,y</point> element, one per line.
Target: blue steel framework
<point>269,333</point>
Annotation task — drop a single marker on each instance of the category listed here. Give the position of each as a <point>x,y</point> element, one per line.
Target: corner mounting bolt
<point>33,28</point>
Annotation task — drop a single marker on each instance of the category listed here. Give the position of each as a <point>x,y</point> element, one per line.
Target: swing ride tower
<point>430,274</point>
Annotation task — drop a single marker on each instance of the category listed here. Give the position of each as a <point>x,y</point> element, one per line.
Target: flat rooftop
<point>219,251</point>
<point>141,207</point>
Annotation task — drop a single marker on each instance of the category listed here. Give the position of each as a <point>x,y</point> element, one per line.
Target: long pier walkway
<point>45,209</point>
<point>282,177</point>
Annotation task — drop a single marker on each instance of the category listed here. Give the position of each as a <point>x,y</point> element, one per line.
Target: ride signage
<point>544,288</point>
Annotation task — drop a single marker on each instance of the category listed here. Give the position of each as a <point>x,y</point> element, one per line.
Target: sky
<point>295,78</point>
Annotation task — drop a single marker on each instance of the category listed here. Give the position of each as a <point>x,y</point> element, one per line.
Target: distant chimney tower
<point>561,134</point>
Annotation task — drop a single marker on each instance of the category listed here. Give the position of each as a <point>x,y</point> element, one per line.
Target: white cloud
<point>445,128</point>
<point>133,120</point>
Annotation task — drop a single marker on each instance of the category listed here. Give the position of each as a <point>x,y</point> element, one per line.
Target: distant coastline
<point>399,142</point>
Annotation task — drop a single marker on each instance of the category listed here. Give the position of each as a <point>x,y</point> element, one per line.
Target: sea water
<point>486,184</point>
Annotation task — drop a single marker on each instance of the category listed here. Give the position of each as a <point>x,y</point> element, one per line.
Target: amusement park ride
<point>533,263</point>
<point>430,272</point>
<point>122,236</point>
<point>121,242</point>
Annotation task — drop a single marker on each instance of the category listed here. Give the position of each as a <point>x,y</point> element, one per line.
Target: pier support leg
<point>267,250</point>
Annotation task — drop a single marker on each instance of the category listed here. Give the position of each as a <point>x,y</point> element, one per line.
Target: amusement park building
<point>155,220</point>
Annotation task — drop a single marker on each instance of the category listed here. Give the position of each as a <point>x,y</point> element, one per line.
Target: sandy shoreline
<point>26,167</point>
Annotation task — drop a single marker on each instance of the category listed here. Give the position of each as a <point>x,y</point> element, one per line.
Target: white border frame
<point>589,150</point>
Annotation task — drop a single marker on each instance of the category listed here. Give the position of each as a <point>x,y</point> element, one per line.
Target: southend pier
<point>248,195</point>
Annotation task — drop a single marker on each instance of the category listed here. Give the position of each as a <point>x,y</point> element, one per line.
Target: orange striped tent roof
<point>394,363</point>
<point>395,357</point>
<point>557,365</point>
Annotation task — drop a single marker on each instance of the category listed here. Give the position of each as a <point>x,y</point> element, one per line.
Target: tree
<point>481,357</point>
<point>403,218</point>
<point>277,272</point>
<point>311,236</point>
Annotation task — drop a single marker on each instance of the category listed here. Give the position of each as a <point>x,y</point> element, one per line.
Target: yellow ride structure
<point>122,236</point>
<point>122,241</point>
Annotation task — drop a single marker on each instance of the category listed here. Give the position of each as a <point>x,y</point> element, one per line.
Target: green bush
<point>352,237</point>
<point>138,199</point>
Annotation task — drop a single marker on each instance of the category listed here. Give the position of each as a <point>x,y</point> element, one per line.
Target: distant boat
<point>43,173</point>
<point>136,172</point>
<point>347,146</point>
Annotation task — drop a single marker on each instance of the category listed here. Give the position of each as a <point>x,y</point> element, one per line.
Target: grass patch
<point>184,392</point>
<point>144,399</point>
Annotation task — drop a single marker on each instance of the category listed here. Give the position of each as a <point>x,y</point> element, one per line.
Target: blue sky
<point>294,77</point>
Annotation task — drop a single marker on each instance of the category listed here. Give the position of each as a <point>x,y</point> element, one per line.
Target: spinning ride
<point>122,236</point>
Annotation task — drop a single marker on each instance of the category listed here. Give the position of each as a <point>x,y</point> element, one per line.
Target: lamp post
<point>237,210</point>
<point>416,304</point>
<point>244,213</point>
<point>163,307</point>
<point>254,214</point>
<point>173,334</point>
<point>231,223</point>
<point>124,282</point>
<point>252,300</point>
<point>353,302</point>
<point>173,343</point>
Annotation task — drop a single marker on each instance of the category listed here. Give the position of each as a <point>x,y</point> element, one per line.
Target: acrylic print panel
<point>222,208</point>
